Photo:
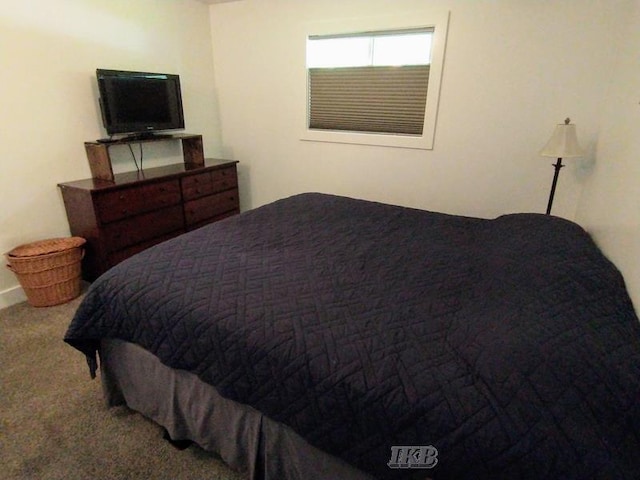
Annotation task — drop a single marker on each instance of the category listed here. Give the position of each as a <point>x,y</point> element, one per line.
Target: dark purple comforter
<point>510,345</point>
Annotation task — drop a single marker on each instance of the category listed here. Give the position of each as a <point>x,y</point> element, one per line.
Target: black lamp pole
<point>558,165</point>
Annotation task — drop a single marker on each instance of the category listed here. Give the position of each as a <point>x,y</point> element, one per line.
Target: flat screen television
<point>139,103</point>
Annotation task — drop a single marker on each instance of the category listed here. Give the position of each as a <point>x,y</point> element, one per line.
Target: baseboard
<point>11,296</point>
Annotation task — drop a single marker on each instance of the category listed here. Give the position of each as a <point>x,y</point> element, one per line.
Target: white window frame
<point>439,21</point>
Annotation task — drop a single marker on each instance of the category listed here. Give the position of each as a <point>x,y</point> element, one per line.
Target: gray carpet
<point>54,424</point>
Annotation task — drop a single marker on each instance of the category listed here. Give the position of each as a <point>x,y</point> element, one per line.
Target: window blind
<point>378,99</point>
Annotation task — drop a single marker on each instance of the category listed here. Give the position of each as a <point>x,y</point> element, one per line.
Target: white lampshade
<point>563,143</point>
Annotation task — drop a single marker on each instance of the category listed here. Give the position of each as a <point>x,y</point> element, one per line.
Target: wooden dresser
<point>136,210</point>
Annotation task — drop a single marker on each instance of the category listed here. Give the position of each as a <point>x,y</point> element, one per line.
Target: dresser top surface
<point>147,175</point>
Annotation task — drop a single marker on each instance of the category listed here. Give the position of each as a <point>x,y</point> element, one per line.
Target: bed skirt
<point>190,409</point>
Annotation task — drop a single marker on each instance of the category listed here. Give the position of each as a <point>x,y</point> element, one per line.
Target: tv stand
<point>100,160</point>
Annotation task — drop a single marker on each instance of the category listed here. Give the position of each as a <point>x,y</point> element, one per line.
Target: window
<point>377,87</point>
<point>374,82</point>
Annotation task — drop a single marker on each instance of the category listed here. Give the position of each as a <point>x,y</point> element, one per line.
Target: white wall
<point>610,204</point>
<point>48,97</point>
<point>513,69</point>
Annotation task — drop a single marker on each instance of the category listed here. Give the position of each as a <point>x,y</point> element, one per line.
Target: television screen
<point>139,102</point>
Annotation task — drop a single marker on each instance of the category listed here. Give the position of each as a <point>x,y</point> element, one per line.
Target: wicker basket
<point>49,271</point>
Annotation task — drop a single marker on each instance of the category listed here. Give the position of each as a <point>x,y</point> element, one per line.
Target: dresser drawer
<point>196,186</point>
<point>224,179</point>
<point>126,202</point>
<point>120,255</point>
<point>201,209</point>
<point>142,228</point>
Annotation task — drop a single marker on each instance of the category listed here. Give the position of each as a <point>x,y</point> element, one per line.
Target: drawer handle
<point>121,197</point>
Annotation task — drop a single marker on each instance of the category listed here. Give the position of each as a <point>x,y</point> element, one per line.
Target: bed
<point>321,336</point>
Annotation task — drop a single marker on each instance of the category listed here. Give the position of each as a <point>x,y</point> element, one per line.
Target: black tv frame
<point>113,102</point>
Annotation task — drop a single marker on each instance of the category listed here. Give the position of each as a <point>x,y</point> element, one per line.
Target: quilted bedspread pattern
<point>510,345</point>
